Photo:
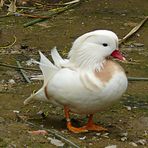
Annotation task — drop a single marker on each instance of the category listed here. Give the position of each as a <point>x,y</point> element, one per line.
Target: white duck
<point>88,81</point>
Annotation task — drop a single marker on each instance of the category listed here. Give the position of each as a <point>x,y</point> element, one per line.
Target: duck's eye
<point>105,44</point>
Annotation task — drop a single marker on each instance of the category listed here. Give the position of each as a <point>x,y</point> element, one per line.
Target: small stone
<point>123,139</point>
<point>137,34</point>
<point>16,111</point>
<point>129,108</point>
<point>82,138</point>
<point>111,146</point>
<point>55,142</point>
<point>105,135</point>
<point>11,81</point>
<point>124,134</point>
<point>98,134</point>
<point>123,14</point>
<point>133,144</point>
<point>142,142</point>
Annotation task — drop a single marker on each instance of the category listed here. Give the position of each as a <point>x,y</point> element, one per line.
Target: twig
<point>10,44</point>
<point>55,133</point>
<point>15,67</point>
<point>23,72</point>
<point>72,2</point>
<point>23,7</point>
<point>33,16</point>
<point>63,138</point>
<point>134,30</point>
<point>7,15</point>
<point>64,4</point>
<point>51,13</point>
<point>137,79</point>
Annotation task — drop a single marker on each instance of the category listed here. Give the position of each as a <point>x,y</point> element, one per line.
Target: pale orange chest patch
<point>108,71</point>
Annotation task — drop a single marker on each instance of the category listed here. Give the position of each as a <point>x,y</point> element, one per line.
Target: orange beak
<point>116,54</point>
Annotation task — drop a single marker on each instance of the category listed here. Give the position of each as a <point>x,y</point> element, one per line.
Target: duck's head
<point>91,49</point>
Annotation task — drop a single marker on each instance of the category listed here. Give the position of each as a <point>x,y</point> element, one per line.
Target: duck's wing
<point>48,69</point>
<point>58,60</point>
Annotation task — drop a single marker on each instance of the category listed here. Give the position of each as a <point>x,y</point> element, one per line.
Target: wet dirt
<point>127,120</point>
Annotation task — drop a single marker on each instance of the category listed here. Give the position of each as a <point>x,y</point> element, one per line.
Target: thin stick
<point>64,4</point>
<point>15,67</point>
<point>51,13</point>
<point>134,30</point>
<point>137,79</point>
<point>55,133</point>
<point>10,44</point>
<point>7,15</point>
<point>33,16</point>
<point>23,72</point>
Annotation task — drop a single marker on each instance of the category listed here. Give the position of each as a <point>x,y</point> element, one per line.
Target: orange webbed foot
<point>95,127</point>
<point>90,126</point>
<point>76,129</point>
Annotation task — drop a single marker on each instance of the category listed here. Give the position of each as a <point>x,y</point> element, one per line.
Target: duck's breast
<point>114,81</point>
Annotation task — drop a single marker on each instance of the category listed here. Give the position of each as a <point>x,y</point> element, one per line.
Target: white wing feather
<point>58,60</point>
<point>45,64</point>
<point>48,69</point>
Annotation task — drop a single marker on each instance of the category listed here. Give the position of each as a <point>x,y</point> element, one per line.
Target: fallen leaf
<point>43,25</point>
<point>38,132</point>
<point>12,6</point>
<point>1,3</point>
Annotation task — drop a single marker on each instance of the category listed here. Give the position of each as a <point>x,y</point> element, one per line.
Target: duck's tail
<point>48,70</point>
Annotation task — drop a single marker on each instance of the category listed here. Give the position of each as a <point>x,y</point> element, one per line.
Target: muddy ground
<point>127,120</point>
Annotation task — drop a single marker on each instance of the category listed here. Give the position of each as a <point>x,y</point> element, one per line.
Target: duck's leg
<point>89,126</point>
<point>93,127</point>
<point>69,125</point>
